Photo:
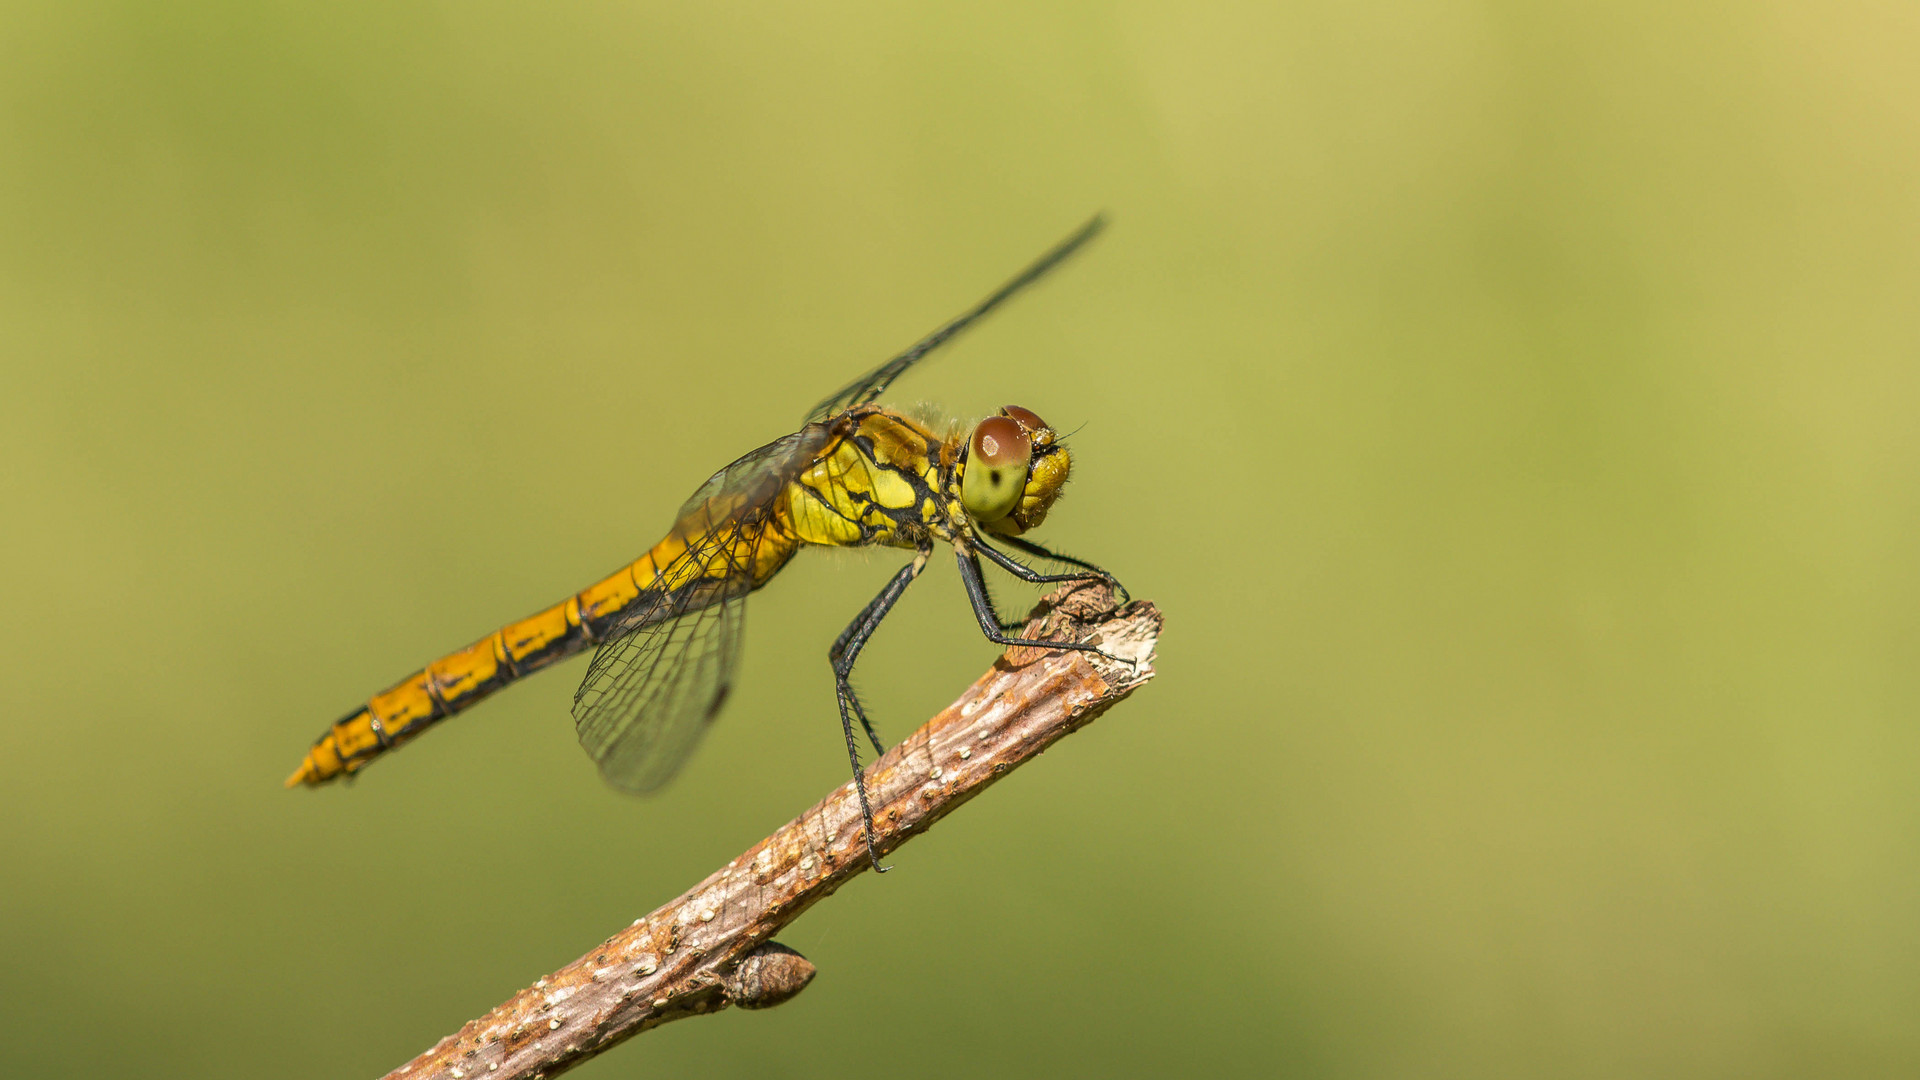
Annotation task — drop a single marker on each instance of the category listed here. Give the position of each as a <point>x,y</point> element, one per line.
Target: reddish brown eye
<point>996,468</point>
<point>998,443</point>
<point>1027,418</point>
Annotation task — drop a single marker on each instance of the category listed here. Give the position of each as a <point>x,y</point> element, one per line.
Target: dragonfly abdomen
<point>462,679</point>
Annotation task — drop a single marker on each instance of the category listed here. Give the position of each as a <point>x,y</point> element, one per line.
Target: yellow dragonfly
<point>666,628</point>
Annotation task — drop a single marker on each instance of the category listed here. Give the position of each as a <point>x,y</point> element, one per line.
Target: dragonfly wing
<point>868,388</point>
<point>665,668</point>
<point>652,692</point>
<point>745,490</point>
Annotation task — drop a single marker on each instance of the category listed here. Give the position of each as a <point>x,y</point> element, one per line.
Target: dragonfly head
<point>1013,470</point>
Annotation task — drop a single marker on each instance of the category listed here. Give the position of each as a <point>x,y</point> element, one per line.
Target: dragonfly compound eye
<point>996,469</point>
<point>1026,418</point>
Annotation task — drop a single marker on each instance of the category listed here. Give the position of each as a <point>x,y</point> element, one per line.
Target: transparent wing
<point>665,667</point>
<point>870,386</point>
<point>651,693</point>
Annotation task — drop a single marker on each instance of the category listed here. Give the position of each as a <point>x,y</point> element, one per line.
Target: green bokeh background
<point>1512,407</point>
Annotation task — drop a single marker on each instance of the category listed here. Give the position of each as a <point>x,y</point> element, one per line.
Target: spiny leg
<point>846,649</point>
<point>1033,577</point>
<point>863,625</point>
<point>989,621</point>
<point>1006,624</point>
<point>1028,547</point>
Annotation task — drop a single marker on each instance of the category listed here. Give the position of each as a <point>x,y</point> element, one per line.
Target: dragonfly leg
<point>989,621</point>
<point>1005,624</point>
<point>846,649</point>
<point>1028,574</point>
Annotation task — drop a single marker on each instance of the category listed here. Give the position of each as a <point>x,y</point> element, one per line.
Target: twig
<point>713,946</point>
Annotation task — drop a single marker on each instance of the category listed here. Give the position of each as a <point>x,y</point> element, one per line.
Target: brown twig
<point>713,946</point>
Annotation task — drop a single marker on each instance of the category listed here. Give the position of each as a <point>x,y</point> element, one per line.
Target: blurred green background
<point>1512,407</point>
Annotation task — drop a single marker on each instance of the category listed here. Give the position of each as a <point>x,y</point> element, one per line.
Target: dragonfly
<point>666,629</point>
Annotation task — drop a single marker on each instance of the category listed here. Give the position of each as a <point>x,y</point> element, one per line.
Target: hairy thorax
<point>881,480</point>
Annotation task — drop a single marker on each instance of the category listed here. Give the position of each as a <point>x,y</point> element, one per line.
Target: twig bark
<point>713,946</point>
